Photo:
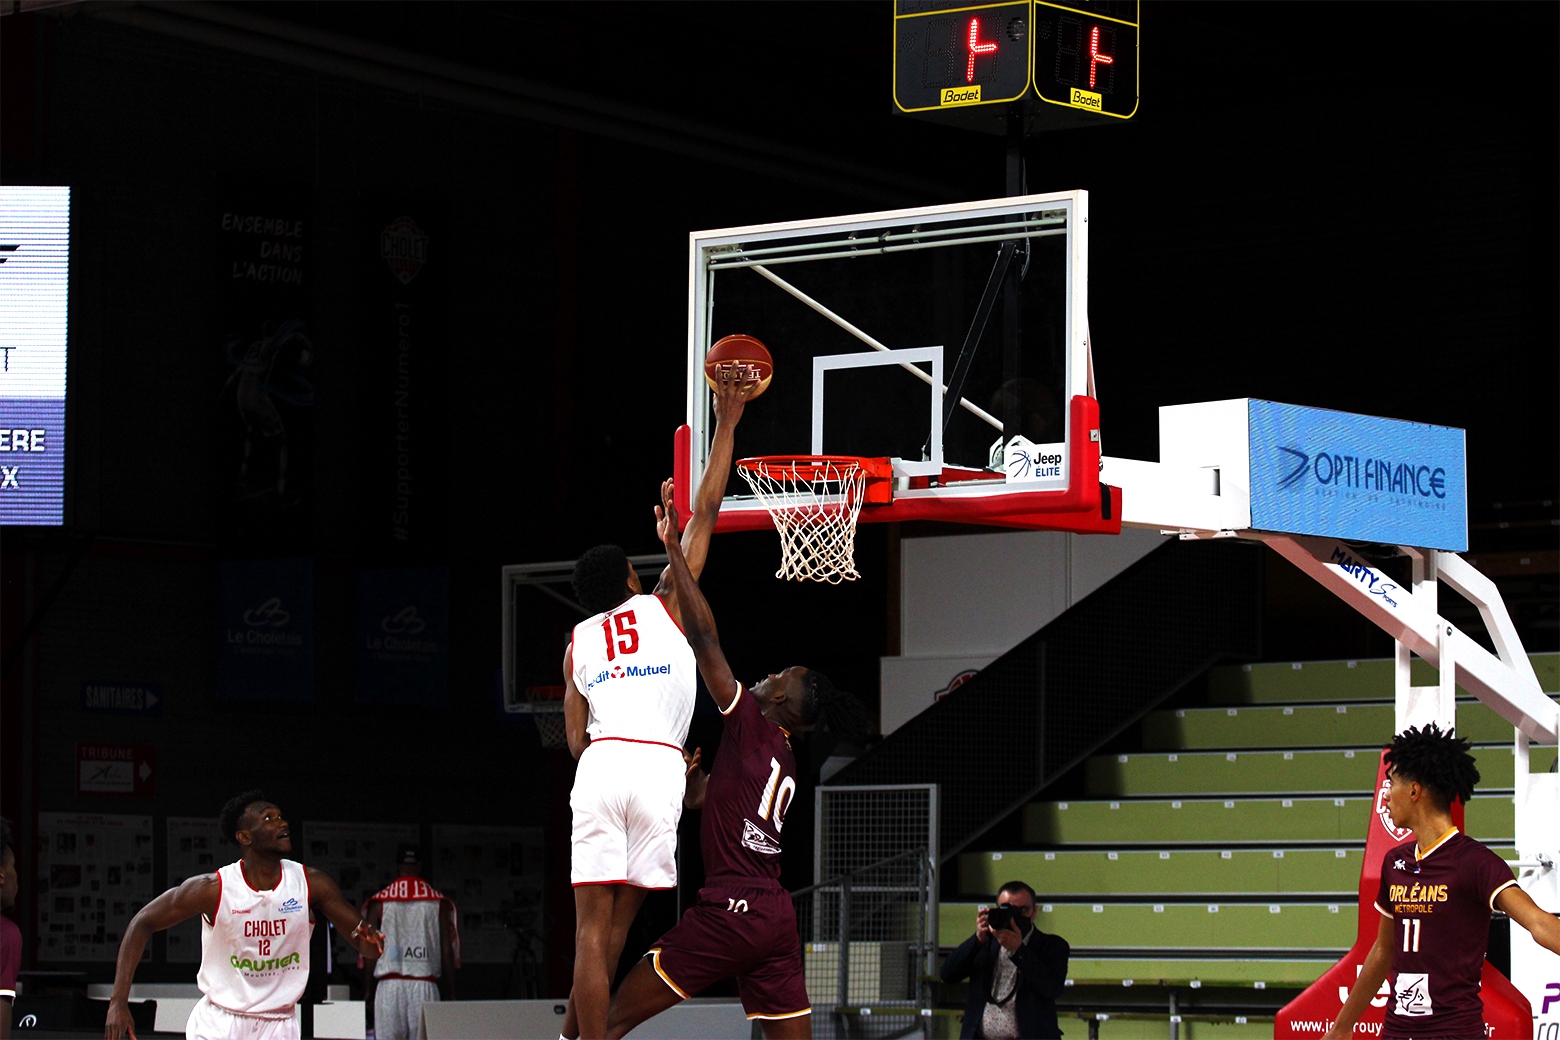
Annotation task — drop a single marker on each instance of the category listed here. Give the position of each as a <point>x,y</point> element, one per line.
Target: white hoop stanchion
<point>814,501</point>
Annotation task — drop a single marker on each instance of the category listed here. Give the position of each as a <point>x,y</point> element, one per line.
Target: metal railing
<point>869,946</point>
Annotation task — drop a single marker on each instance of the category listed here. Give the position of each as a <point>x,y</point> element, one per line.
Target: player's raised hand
<point>366,937</point>
<point>695,781</point>
<point>666,517</point>
<point>735,386</point>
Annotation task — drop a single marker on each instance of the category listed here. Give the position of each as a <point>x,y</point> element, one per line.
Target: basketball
<point>743,352</point>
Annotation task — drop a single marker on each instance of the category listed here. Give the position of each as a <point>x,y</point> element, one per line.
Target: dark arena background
<point>455,235</point>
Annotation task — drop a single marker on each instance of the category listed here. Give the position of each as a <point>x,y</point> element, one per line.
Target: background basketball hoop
<point>814,501</point>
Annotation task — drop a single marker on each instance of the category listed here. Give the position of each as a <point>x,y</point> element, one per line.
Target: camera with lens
<point>1000,917</point>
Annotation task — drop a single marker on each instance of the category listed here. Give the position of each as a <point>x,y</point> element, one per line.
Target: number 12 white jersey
<point>633,664</point>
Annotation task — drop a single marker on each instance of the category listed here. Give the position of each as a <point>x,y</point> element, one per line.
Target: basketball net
<point>814,501</point>
<point>547,713</point>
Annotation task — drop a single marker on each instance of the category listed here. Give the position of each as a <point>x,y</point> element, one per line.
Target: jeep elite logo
<point>404,247</point>
<point>1411,479</point>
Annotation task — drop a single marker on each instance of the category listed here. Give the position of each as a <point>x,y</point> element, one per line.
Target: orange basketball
<point>749,356</point>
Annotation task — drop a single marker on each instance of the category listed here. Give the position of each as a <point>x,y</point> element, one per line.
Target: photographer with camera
<point>1014,980</point>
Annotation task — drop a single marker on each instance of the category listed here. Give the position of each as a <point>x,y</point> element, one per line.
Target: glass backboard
<point>950,339</point>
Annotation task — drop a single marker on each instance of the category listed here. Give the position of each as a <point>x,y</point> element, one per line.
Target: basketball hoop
<point>814,501</point>
<point>547,712</point>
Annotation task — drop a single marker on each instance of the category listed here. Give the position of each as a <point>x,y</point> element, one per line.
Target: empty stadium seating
<point>1227,853</point>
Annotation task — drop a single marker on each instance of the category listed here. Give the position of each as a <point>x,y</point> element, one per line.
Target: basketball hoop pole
<point>1010,284</point>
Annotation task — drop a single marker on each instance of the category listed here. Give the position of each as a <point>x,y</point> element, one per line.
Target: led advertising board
<point>1357,477</point>
<point>34,283</point>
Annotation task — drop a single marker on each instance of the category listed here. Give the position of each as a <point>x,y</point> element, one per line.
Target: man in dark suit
<point>1014,981</point>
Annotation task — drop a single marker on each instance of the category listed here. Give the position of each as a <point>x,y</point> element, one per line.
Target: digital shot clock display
<point>1055,65</point>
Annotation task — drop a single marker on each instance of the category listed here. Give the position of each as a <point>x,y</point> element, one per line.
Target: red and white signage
<point>117,769</point>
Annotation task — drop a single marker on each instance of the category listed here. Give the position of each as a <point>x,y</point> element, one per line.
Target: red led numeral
<point>976,47</point>
<point>1096,59</point>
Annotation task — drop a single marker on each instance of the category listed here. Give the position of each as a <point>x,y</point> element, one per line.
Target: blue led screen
<point>1357,477</point>
<point>34,283</point>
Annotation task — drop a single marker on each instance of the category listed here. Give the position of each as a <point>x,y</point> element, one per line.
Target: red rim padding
<point>808,467</point>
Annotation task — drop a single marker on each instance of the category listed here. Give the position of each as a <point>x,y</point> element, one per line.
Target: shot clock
<point>1059,64</point>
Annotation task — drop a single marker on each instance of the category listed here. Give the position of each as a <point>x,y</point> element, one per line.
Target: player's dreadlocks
<point>7,840</point>
<point>1439,761</point>
<point>233,811</point>
<point>843,715</point>
<point>601,578</point>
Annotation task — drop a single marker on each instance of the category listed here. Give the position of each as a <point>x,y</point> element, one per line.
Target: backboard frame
<point>981,500</point>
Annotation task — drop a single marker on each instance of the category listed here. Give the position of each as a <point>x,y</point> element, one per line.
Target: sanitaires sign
<point>1357,477</point>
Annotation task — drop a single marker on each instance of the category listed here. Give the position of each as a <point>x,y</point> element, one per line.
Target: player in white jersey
<point>256,918</point>
<point>629,683</point>
<point>422,951</point>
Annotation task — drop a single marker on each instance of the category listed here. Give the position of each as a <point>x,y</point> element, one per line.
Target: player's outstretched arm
<point>196,895</point>
<point>698,621</point>
<point>731,396</point>
<point>576,712</point>
<point>1372,975</point>
<point>448,959</point>
<point>326,897</point>
<point>374,914</point>
<point>1519,906</point>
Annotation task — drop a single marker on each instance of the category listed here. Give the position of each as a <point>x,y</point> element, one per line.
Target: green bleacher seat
<point>1128,1027</point>
<point>1319,928</point>
<point>1061,874</point>
<point>1271,772</point>
<point>1257,809</point>
<point>1210,971</point>
<point>1302,726</point>
<point>1294,682</point>
<point>1195,821</point>
<point>1213,821</point>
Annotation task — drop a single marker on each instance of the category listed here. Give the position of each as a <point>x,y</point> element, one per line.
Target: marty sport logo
<point>633,671</point>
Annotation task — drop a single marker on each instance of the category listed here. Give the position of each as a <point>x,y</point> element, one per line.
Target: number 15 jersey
<point>633,664</point>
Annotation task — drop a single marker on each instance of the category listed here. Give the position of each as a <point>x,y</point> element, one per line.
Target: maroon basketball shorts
<point>742,928</point>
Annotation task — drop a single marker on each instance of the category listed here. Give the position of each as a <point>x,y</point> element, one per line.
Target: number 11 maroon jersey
<point>751,785</point>
<point>1440,904</point>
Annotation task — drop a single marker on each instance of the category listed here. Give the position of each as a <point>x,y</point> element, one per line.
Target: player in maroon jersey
<point>743,925</point>
<point>1437,893</point>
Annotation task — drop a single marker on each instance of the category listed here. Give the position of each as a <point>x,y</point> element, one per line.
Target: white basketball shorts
<point>398,1008</point>
<point>207,1021</point>
<point>627,799</point>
